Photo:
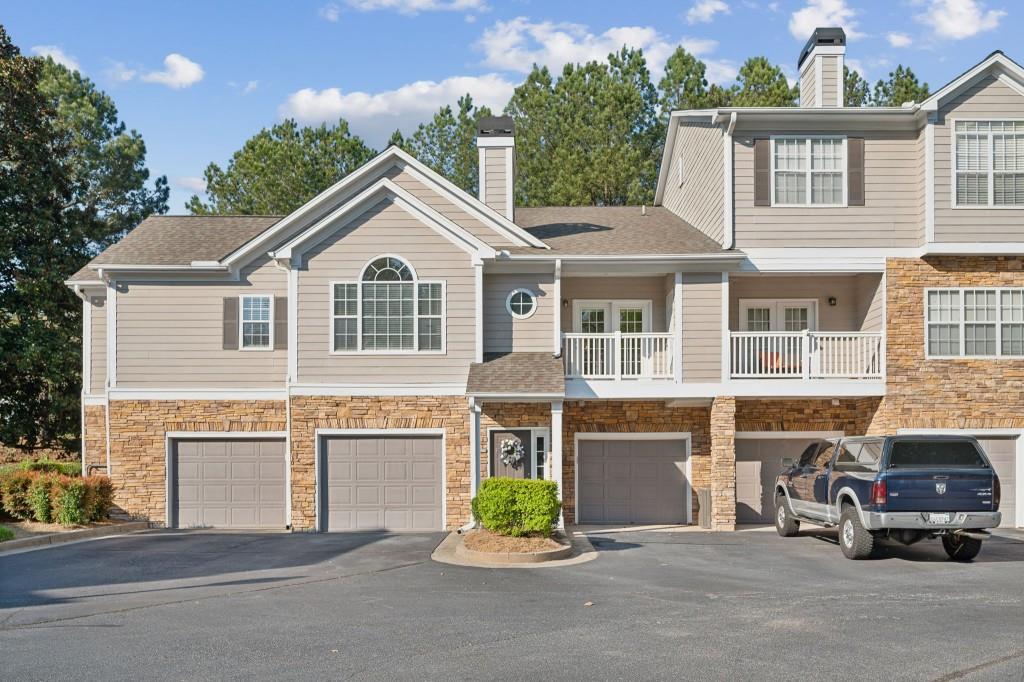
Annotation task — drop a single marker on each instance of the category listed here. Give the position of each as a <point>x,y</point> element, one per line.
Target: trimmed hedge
<point>6,533</point>
<point>48,496</point>
<point>517,506</point>
<point>44,465</point>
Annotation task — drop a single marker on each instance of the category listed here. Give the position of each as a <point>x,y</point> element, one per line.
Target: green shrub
<point>39,497</point>
<point>68,498</point>
<point>517,506</point>
<point>53,466</point>
<point>6,533</point>
<point>99,498</point>
<point>14,490</point>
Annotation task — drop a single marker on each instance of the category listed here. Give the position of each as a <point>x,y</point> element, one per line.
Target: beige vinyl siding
<point>808,85</point>
<point>170,334</point>
<point>449,210</point>
<point>496,179</point>
<point>504,333</point>
<point>855,297</point>
<point>699,201</point>
<point>829,80</point>
<point>702,327</point>
<point>922,182</point>
<point>871,295</point>
<point>98,344</point>
<point>615,289</point>
<point>891,216</point>
<point>989,98</point>
<point>384,229</point>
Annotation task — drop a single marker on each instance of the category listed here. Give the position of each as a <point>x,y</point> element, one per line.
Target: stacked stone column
<point>723,463</point>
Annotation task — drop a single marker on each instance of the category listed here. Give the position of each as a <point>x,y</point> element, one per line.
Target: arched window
<point>388,310</point>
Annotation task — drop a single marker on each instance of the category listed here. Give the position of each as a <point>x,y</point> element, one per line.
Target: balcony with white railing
<point>807,355</point>
<point>618,356</point>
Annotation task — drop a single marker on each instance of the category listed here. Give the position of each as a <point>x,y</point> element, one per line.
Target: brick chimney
<point>821,68</point>
<point>495,138</point>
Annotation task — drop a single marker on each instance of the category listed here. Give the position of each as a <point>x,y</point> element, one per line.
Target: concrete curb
<point>44,541</point>
<point>452,551</point>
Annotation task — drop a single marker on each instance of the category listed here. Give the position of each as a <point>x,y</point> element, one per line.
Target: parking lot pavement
<point>654,605</point>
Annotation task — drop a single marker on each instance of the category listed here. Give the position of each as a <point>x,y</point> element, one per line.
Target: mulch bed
<point>31,529</point>
<point>483,540</point>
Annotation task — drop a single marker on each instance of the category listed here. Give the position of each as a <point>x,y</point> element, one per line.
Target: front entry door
<point>525,468</point>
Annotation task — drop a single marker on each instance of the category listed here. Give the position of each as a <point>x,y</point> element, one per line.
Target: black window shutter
<point>231,323</point>
<point>762,173</point>
<point>280,323</point>
<point>855,171</point>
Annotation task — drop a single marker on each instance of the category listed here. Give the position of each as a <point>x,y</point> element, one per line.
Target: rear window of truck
<point>935,455</point>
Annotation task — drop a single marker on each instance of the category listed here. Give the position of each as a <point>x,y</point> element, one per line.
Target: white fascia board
<point>801,388</point>
<point>341,390</point>
<point>197,394</point>
<point>518,397</point>
<point>385,188</point>
<point>94,399</point>
<point>824,260</point>
<point>84,284</point>
<point>503,141</point>
<point>730,258</point>
<point>124,267</point>
<point>969,76</point>
<point>973,249</point>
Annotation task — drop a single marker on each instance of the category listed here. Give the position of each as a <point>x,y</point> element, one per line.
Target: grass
<point>71,468</point>
<point>6,533</point>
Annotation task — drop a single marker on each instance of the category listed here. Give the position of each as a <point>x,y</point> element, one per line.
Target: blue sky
<point>198,78</point>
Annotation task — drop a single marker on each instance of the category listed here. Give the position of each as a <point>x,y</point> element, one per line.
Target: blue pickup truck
<point>906,488</point>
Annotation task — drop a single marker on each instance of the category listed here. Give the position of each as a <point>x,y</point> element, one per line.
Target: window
<point>989,168</point>
<point>784,315</point>
<point>256,323</point>
<point>521,303</point>
<point>934,455</point>
<point>809,171</point>
<point>679,171</point>
<point>388,310</point>
<point>807,458</point>
<point>974,322</point>
<point>859,456</point>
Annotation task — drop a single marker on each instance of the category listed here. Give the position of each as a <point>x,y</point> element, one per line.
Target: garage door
<point>1002,452</point>
<point>381,483</point>
<point>758,462</point>
<point>224,483</point>
<point>632,481</point>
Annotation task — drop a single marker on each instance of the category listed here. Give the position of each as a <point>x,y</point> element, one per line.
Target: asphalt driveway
<point>653,605</point>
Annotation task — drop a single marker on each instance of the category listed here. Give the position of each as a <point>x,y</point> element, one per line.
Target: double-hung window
<point>974,322</point>
<point>809,171</point>
<point>387,310</point>
<point>257,323</point>
<point>989,163</point>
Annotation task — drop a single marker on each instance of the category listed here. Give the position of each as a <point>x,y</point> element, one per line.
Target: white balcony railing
<point>617,356</point>
<point>807,355</point>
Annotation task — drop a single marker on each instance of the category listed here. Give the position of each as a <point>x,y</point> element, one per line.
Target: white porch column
<point>474,445</point>
<point>557,340</point>
<point>556,452</point>
<point>677,338</point>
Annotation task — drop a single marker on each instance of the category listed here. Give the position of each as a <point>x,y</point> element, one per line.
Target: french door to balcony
<point>603,319</point>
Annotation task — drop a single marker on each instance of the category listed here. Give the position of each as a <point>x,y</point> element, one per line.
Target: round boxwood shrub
<point>517,506</point>
<point>39,497</point>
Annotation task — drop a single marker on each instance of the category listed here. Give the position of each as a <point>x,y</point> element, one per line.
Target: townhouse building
<point>359,364</point>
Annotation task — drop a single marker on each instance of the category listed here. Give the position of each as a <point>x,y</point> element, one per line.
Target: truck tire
<point>855,540</point>
<point>784,521</point>
<point>960,548</point>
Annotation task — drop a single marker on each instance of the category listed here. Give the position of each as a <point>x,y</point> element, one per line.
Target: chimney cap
<point>822,36</point>
<point>495,126</point>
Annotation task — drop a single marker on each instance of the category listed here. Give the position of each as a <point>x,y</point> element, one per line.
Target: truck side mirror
<point>787,462</point>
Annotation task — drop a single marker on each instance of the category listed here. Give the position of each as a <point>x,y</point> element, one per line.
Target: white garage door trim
<point>615,435</point>
<point>982,433</point>
<point>319,435</point>
<point>171,436</point>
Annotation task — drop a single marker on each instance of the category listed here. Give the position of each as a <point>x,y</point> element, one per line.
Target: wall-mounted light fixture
<point>565,303</point>
<point>832,301</point>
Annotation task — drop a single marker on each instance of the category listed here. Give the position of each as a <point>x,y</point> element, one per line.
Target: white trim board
<point>785,435</point>
<point>685,436</point>
<point>343,390</point>
<point>173,393</point>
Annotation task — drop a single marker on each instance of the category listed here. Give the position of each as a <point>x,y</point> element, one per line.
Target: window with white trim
<point>388,310</point>
<point>974,322</point>
<point>521,303</point>
<point>256,323</point>
<point>989,168</point>
<point>809,171</point>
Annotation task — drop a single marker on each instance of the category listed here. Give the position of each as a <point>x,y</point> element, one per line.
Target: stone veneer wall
<point>509,416</point>
<point>954,393</point>
<point>723,463</point>
<point>309,413</point>
<point>852,416</point>
<point>635,416</point>
<point>95,440</point>
<point>138,447</point>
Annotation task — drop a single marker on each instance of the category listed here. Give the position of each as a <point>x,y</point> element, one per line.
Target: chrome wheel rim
<point>848,533</point>
<point>780,516</point>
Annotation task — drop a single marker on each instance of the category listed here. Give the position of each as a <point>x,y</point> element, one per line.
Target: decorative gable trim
<point>1005,69</point>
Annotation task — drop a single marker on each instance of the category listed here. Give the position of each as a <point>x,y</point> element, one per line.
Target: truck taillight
<point>878,492</point>
<point>997,491</point>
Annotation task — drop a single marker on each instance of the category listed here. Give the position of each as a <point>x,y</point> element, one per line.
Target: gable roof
<point>1006,70</point>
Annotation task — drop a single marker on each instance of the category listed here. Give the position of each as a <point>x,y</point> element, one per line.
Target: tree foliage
<point>279,169</point>
<point>856,89</point>
<point>902,86</point>
<point>762,84</point>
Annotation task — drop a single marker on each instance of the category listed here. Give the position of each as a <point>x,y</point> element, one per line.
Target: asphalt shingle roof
<point>517,373</point>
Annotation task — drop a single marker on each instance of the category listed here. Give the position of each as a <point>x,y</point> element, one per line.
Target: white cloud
<point>179,72</point>
<point>330,12</point>
<point>56,54</point>
<point>958,19</point>
<point>250,87</point>
<point>856,65</point>
<point>899,39</point>
<point>191,183</point>
<point>704,11</point>
<point>517,44</point>
<point>375,115</point>
<point>417,6</point>
<point>823,14</point>
<point>119,72</point>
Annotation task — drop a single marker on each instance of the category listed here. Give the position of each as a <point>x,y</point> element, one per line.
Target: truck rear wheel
<point>855,540</point>
<point>784,521</point>
<point>960,548</point>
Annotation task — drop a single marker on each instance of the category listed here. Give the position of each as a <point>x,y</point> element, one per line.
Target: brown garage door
<point>632,481</point>
<point>1002,452</point>
<point>227,483</point>
<point>388,483</point>
<point>758,462</point>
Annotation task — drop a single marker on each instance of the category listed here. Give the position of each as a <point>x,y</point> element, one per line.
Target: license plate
<point>939,518</point>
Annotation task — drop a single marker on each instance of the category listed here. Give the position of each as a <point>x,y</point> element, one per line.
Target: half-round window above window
<point>388,269</point>
<point>521,303</point>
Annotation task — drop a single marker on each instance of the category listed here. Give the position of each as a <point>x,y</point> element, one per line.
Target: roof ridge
<point>219,215</point>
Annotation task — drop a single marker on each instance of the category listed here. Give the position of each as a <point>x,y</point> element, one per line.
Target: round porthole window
<point>521,303</point>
